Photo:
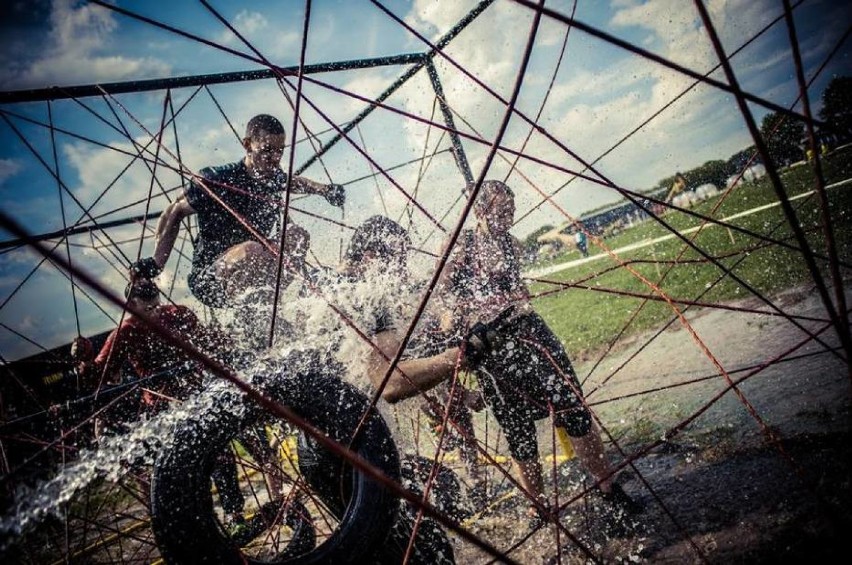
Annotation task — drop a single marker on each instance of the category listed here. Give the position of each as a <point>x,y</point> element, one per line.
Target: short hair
<point>263,123</point>
<point>144,289</point>
<point>489,189</point>
<point>378,234</point>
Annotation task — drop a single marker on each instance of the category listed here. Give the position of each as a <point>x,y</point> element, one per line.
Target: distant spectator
<point>580,241</point>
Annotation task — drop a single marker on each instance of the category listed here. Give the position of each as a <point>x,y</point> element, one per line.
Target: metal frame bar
<point>88,90</point>
<point>458,148</point>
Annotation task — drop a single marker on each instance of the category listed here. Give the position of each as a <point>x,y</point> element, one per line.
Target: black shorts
<point>526,378</point>
<point>207,287</point>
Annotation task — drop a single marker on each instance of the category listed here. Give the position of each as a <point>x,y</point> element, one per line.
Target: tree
<point>783,137</point>
<point>837,106</point>
<point>713,172</point>
<point>738,161</point>
<point>530,243</point>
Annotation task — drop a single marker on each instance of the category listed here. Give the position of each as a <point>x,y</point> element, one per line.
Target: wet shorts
<point>526,377</point>
<point>207,287</point>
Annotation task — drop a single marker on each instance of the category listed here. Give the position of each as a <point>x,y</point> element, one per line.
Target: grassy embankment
<point>587,319</point>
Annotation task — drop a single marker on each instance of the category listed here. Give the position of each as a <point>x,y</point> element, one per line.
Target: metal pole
<point>59,93</point>
<point>458,149</point>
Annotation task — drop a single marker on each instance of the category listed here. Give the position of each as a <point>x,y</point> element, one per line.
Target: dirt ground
<point>720,491</point>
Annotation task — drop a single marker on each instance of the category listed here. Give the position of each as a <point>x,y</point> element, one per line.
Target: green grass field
<point>586,319</point>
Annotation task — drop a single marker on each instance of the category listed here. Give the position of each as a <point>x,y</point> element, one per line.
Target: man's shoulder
<point>177,313</point>
<point>216,179</point>
<point>221,172</point>
<point>128,331</point>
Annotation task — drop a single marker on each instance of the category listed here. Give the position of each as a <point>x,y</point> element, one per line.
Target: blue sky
<point>601,93</point>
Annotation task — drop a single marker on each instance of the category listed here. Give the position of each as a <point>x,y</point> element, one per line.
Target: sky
<point>600,93</point>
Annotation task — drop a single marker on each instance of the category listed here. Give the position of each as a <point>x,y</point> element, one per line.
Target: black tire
<point>431,544</point>
<point>446,492</point>
<point>183,519</point>
<point>328,478</point>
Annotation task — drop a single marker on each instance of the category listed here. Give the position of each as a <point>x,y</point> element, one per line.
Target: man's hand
<point>483,339</point>
<point>82,350</point>
<point>335,195</point>
<point>146,268</point>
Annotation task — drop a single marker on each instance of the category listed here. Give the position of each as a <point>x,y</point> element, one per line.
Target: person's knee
<point>524,450</point>
<point>395,391</point>
<point>297,241</point>
<point>576,421</point>
<point>244,253</point>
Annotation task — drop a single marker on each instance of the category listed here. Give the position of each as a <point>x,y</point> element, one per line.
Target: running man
<point>581,241</point>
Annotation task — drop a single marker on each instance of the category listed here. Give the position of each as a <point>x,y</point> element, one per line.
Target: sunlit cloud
<point>77,49</point>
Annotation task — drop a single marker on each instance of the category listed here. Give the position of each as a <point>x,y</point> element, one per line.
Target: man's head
<point>142,295</point>
<point>264,144</point>
<point>378,239</point>
<point>495,206</point>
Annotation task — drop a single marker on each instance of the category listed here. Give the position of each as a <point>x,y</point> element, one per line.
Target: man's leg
<point>590,452</point>
<point>529,475</point>
<point>521,435</point>
<point>252,265</point>
<point>249,274</point>
<point>245,266</point>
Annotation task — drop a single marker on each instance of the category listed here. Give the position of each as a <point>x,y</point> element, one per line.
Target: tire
<point>183,520</point>
<point>323,471</point>
<point>431,544</point>
<point>446,492</point>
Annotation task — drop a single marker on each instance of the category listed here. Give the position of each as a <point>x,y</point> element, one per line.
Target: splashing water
<point>320,330</point>
<point>112,458</point>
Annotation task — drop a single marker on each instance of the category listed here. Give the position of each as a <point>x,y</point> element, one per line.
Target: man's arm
<point>106,365</point>
<point>334,193</point>
<point>411,376</point>
<point>168,229</point>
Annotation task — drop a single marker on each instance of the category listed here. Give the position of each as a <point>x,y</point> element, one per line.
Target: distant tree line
<point>785,140</point>
<point>784,137</point>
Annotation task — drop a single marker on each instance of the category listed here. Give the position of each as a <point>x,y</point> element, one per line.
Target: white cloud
<point>73,52</point>
<point>677,29</point>
<point>250,22</point>
<point>267,37</point>
<point>28,323</point>
<point>9,168</point>
<point>247,23</point>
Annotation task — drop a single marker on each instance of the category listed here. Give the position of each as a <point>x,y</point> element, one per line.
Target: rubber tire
<point>431,544</point>
<point>328,478</point>
<point>182,517</point>
<point>304,537</point>
<point>446,493</point>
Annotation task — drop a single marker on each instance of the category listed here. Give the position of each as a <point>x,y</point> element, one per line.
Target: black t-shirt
<point>479,276</point>
<point>255,200</point>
